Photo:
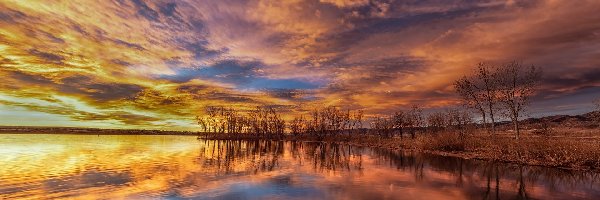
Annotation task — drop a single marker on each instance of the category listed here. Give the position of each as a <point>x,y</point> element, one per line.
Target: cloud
<point>145,11</point>
<point>50,57</point>
<point>30,78</point>
<point>241,74</point>
<point>163,61</point>
<point>346,3</point>
<point>98,91</point>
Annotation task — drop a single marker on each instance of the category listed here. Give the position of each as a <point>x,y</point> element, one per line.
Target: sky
<point>157,64</point>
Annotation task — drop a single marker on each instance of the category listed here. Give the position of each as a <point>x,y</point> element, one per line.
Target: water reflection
<point>174,167</point>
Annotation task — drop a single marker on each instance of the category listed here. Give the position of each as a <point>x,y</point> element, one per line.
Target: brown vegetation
<point>563,152</point>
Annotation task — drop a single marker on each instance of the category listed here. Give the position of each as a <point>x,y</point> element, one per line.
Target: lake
<point>182,167</point>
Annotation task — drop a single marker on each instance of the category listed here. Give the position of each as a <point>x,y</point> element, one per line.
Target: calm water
<point>181,167</point>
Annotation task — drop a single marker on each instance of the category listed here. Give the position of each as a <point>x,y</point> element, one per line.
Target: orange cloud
<point>159,63</point>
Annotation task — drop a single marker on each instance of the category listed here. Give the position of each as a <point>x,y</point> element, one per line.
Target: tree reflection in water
<point>172,167</point>
<point>479,179</point>
<point>224,156</point>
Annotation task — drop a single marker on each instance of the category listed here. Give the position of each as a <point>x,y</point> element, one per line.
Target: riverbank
<point>565,152</point>
<point>576,149</point>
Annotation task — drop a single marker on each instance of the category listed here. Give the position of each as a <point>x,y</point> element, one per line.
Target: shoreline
<point>567,153</point>
<point>472,156</point>
<point>89,131</point>
<point>485,154</point>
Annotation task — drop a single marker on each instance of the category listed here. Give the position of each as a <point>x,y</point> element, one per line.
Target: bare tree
<point>466,88</point>
<point>262,121</point>
<point>487,74</point>
<point>298,125</point>
<point>516,85</point>
<point>414,120</point>
<point>437,121</point>
<point>202,122</point>
<point>383,126</point>
<point>400,122</point>
<point>332,121</point>
<point>479,91</point>
<point>458,119</point>
<point>356,121</point>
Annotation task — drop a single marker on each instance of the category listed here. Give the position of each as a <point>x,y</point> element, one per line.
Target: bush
<point>446,141</point>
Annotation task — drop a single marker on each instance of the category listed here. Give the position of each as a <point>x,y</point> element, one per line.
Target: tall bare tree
<point>479,92</point>
<point>466,88</point>
<point>486,74</point>
<point>517,84</point>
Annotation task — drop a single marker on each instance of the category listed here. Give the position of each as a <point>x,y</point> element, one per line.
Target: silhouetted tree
<point>265,122</point>
<point>458,119</point>
<point>331,121</point>
<point>203,123</point>
<point>486,74</point>
<point>400,122</point>
<point>356,121</point>
<point>479,91</point>
<point>383,126</point>
<point>414,120</point>
<point>436,121</point>
<point>298,125</point>
<point>516,85</point>
<point>261,121</point>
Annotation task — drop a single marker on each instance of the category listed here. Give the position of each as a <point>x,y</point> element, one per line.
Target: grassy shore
<point>579,151</point>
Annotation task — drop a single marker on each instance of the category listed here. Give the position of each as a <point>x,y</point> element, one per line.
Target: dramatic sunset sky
<point>156,64</point>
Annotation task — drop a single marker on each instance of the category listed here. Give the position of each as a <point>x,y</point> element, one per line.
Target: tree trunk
<point>516,126</point>
<point>484,120</point>
<point>493,121</point>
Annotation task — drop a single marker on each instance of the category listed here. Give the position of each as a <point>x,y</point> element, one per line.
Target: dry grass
<point>563,152</point>
<point>548,151</point>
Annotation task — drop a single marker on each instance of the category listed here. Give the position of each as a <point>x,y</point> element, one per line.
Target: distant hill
<point>587,120</point>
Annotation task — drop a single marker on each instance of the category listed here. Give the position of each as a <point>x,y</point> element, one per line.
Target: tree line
<point>491,90</point>
<point>264,121</point>
<point>261,121</point>
<point>413,121</point>
<point>331,121</point>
